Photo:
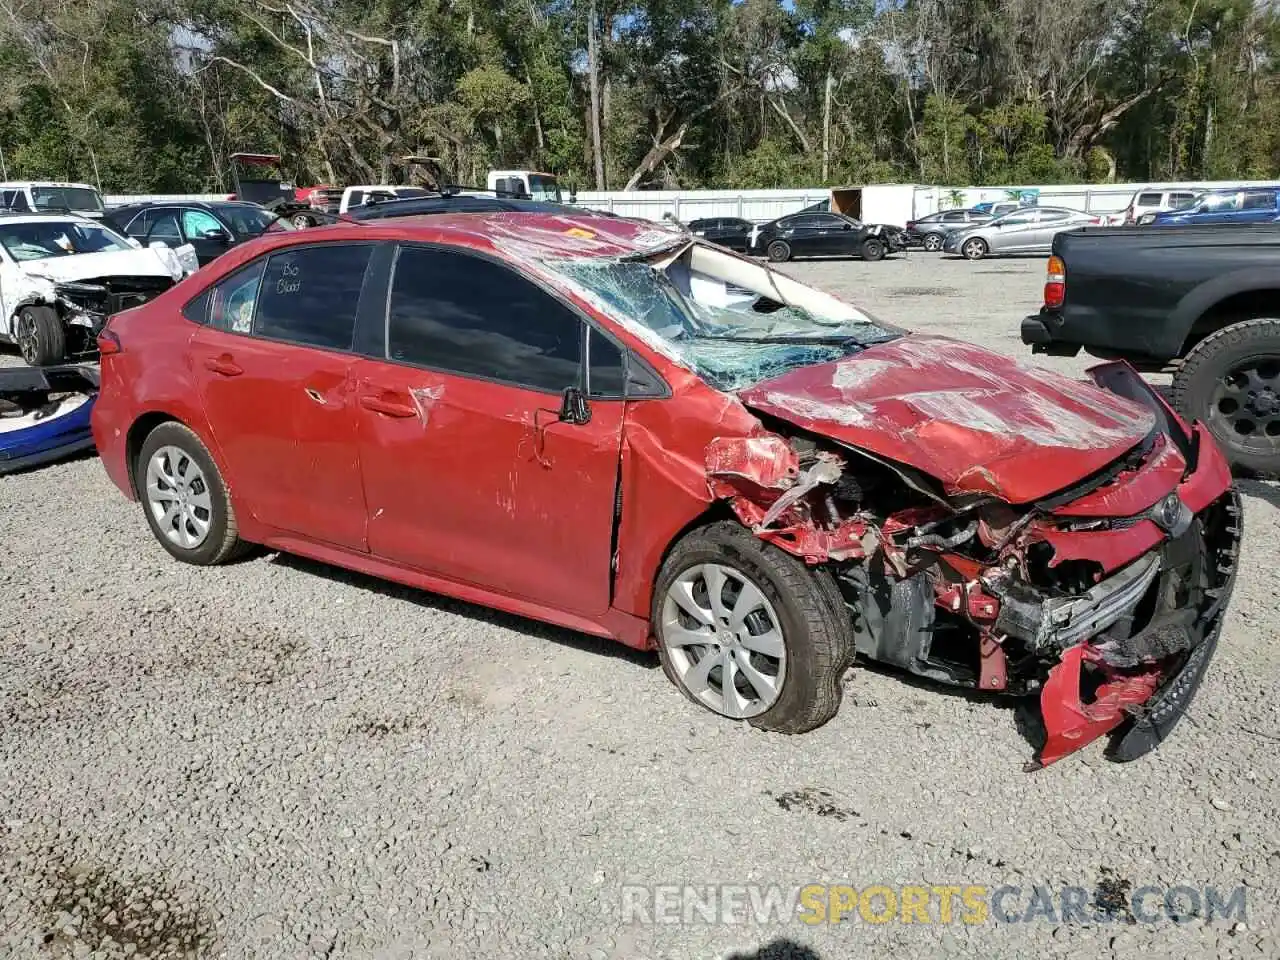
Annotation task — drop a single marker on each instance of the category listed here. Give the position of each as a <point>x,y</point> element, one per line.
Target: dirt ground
<point>278,759</point>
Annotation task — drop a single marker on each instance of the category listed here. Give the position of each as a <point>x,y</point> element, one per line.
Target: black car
<point>931,232</point>
<point>826,235</point>
<point>211,227</point>
<point>731,232</point>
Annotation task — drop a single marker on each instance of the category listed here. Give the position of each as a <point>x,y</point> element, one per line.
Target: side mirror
<point>574,407</point>
<point>217,236</point>
<point>847,226</point>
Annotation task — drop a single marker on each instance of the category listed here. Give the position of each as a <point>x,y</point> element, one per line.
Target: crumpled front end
<point>1103,600</point>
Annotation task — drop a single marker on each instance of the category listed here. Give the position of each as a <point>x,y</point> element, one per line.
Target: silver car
<point>1028,230</point>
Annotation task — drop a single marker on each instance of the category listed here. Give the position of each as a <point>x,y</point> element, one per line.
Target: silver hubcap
<point>28,340</point>
<point>973,249</point>
<point>178,497</point>
<point>932,243</point>
<point>724,640</point>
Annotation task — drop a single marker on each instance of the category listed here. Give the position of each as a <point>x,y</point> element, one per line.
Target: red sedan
<point>615,427</point>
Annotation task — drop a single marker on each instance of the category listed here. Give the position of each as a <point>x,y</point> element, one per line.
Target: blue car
<point>44,414</point>
<point>1253,205</point>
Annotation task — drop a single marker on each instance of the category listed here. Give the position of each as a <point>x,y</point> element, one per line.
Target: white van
<point>1155,201</point>
<point>48,196</point>
<point>378,193</point>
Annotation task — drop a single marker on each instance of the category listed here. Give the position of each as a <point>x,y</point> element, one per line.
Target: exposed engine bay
<point>973,591</point>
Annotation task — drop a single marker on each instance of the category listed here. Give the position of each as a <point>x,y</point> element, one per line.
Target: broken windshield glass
<point>734,322</point>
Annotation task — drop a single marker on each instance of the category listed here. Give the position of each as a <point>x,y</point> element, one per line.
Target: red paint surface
<point>1133,491</point>
<point>978,421</point>
<point>1070,723</point>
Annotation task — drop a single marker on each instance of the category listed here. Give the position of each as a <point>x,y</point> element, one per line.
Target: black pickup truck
<point>1203,302</point>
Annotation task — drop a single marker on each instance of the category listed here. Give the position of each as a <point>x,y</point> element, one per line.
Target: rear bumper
<point>1038,333</point>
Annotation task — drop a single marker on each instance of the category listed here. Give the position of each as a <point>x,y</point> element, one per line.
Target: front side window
<point>467,315</point>
<point>45,239</point>
<point>309,295</point>
<point>1148,200</point>
<point>197,223</point>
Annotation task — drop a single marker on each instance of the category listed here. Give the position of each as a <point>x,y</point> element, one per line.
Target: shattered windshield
<point>41,240</point>
<point>733,321</point>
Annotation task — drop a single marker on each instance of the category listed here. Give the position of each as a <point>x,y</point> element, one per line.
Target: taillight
<point>108,344</point>
<point>1055,284</point>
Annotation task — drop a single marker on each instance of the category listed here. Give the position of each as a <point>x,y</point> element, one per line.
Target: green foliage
<point>151,96</point>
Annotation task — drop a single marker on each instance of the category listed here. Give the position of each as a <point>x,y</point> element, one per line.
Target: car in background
<point>825,235</point>
<point>1023,231</point>
<point>1145,204</point>
<point>62,275</point>
<point>731,232</point>
<point>621,429</point>
<point>211,227</point>
<point>464,202</point>
<point>931,232</point>
<point>1254,205</point>
<point>47,196</point>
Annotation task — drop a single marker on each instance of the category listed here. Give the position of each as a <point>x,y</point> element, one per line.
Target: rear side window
<point>163,225</point>
<point>1148,200</point>
<point>1259,200</point>
<point>467,315</point>
<point>309,295</point>
<point>955,216</point>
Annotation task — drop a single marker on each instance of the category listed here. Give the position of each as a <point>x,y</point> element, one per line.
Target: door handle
<point>388,408</point>
<point>223,365</point>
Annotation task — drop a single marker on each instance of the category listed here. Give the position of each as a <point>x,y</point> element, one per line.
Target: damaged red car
<point>612,426</point>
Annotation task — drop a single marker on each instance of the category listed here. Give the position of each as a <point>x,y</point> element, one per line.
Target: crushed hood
<point>978,421</point>
<point>146,262</point>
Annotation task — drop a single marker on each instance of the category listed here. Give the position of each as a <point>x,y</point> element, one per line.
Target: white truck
<point>51,196</point>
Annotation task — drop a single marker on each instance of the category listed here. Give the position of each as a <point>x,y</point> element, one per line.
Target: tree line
<point>152,95</point>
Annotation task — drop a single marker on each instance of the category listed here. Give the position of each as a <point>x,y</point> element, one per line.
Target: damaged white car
<point>62,276</point>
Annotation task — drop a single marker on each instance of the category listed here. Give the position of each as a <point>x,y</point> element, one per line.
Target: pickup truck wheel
<point>974,248</point>
<point>303,220</point>
<point>40,337</point>
<point>872,249</point>
<point>933,242</point>
<point>750,632</point>
<point>1231,382</point>
<point>779,251</point>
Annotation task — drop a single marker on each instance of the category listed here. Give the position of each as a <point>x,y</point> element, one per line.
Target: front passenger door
<point>469,473</point>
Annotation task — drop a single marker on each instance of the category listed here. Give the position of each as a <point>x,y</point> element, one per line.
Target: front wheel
<point>40,336</point>
<point>1230,381</point>
<point>303,220</point>
<point>933,242</point>
<point>872,250</point>
<point>779,251</point>
<point>749,632</point>
<point>974,248</point>
<point>184,498</point>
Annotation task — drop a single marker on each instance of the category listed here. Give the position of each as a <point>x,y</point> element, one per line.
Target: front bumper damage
<point>1105,601</point>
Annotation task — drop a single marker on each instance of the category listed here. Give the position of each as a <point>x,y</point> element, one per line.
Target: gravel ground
<point>281,759</point>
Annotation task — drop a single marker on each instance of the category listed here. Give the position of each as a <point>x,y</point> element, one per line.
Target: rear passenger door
<point>469,472</point>
<point>273,363</point>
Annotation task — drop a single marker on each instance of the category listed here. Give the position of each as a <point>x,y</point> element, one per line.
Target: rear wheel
<point>303,220</point>
<point>933,242</point>
<point>872,249</point>
<point>779,251</point>
<point>974,248</point>
<point>1230,381</point>
<point>40,336</point>
<point>184,498</point>
<point>749,632</point>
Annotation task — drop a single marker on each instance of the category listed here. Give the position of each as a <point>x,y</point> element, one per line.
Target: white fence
<point>881,202</point>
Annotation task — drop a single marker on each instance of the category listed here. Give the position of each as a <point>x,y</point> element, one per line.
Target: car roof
<point>6,217</point>
<point>519,235</point>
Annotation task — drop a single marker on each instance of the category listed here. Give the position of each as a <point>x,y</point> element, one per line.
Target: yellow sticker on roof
<point>579,232</point>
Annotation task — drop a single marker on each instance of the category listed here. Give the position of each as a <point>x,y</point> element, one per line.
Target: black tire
<point>40,336</point>
<point>975,248</point>
<point>303,221</point>
<point>1208,365</point>
<point>779,251</point>
<point>872,249</point>
<point>815,625</point>
<point>222,543</point>
<point>933,242</point>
